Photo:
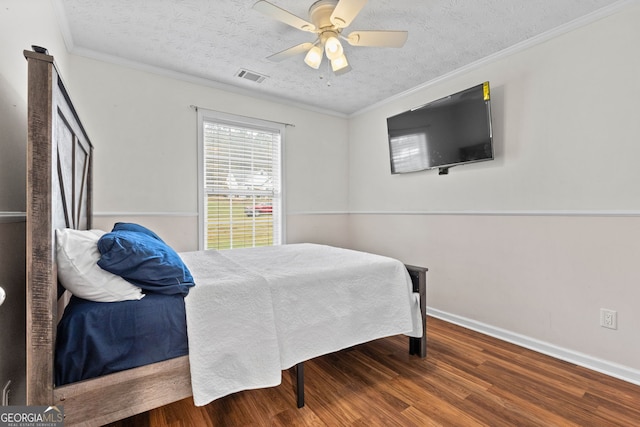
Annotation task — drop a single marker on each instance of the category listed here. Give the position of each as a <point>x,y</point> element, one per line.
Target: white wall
<point>22,24</point>
<point>144,134</point>
<point>519,245</point>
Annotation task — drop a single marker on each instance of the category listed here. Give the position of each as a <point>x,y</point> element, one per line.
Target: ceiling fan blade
<point>346,11</point>
<point>378,38</point>
<point>282,15</point>
<point>292,51</point>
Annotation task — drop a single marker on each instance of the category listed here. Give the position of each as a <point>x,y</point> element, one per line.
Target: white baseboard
<point>605,367</point>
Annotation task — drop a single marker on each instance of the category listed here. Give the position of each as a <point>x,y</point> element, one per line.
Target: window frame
<point>236,120</point>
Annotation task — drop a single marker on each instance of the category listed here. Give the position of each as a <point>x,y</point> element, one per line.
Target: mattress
<point>99,338</point>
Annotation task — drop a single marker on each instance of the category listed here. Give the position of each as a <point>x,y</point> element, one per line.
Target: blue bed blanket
<point>99,338</point>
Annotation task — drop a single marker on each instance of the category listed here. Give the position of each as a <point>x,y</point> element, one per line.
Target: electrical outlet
<point>608,318</point>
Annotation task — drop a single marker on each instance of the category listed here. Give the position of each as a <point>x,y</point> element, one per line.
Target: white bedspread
<point>230,326</point>
<point>257,311</point>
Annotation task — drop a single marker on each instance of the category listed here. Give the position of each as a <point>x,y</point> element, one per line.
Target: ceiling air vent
<point>250,75</point>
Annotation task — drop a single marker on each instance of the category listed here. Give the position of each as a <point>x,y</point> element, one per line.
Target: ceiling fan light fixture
<point>314,57</point>
<point>340,65</point>
<point>328,19</point>
<point>333,48</point>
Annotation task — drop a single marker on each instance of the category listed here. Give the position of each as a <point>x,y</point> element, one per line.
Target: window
<point>240,181</point>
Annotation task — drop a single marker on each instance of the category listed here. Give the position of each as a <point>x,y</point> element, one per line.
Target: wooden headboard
<point>59,168</point>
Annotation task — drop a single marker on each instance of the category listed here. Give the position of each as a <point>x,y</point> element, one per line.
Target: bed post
<point>300,384</point>
<point>41,296</point>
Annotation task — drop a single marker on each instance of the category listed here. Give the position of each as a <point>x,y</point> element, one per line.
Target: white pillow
<point>77,258</point>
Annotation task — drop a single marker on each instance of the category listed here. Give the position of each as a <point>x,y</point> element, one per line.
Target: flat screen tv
<point>450,131</point>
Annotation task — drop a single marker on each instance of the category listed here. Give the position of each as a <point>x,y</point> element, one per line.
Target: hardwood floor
<point>467,379</point>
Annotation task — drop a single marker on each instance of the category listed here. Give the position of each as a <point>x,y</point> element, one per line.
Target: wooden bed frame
<point>59,195</point>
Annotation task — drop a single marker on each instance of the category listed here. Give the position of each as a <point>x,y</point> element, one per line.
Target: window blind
<point>242,185</point>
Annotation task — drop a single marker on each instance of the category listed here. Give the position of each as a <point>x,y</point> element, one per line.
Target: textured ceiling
<point>212,40</point>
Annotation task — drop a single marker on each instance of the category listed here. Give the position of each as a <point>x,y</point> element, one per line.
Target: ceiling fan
<point>328,19</point>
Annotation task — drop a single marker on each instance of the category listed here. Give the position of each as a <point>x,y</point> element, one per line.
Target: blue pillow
<point>130,226</point>
<point>144,261</point>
